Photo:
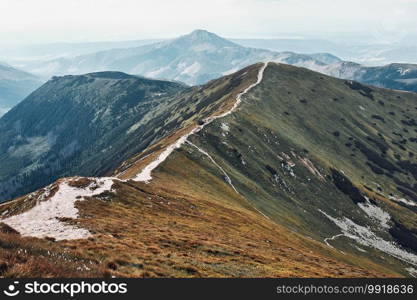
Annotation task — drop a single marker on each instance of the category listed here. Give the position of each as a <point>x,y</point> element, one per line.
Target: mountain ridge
<point>310,157</point>
<point>62,110</point>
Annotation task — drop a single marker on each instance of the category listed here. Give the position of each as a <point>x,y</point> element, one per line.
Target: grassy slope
<point>156,231</point>
<point>189,222</point>
<point>293,115</point>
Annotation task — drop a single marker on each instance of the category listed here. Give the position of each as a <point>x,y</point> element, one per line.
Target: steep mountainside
<point>79,125</point>
<point>15,85</point>
<point>280,171</point>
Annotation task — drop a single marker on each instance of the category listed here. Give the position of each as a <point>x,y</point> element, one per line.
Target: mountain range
<point>201,56</point>
<point>366,52</point>
<point>15,85</point>
<point>193,59</point>
<point>269,171</point>
<point>393,76</point>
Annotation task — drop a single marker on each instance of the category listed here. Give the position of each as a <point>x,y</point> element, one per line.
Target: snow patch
<point>360,249</point>
<point>376,213</point>
<point>42,220</point>
<point>403,71</point>
<point>225,127</point>
<point>203,47</point>
<point>364,236</point>
<point>133,128</point>
<point>402,200</point>
<point>192,70</point>
<point>326,240</point>
<point>412,271</point>
<point>146,173</point>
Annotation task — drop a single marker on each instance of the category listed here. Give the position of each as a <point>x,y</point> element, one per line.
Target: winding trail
<point>332,238</point>
<point>44,219</point>
<point>146,173</point>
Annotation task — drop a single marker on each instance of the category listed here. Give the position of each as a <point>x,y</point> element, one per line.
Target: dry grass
<point>179,225</point>
<point>30,257</point>
<point>153,231</point>
<point>144,232</point>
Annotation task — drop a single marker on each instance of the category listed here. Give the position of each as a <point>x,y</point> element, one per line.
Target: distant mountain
<point>382,54</point>
<point>326,58</point>
<point>201,56</point>
<point>367,53</point>
<point>194,59</point>
<point>298,45</point>
<point>15,85</point>
<point>271,171</point>
<point>21,55</point>
<point>392,76</point>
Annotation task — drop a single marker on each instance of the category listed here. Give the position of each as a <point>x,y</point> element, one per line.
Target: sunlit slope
<point>186,222</point>
<point>307,150</point>
<point>174,228</point>
<point>88,124</point>
<point>295,181</point>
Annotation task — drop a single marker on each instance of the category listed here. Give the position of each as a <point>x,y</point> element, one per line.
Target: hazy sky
<point>93,20</point>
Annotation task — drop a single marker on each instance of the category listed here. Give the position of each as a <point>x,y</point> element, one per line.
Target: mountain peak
<point>204,36</point>
<point>202,33</point>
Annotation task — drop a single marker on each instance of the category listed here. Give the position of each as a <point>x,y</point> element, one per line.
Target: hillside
<point>89,124</point>
<point>278,171</point>
<point>15,85</point>
<point>84,125</point>
<point>332,152</point>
